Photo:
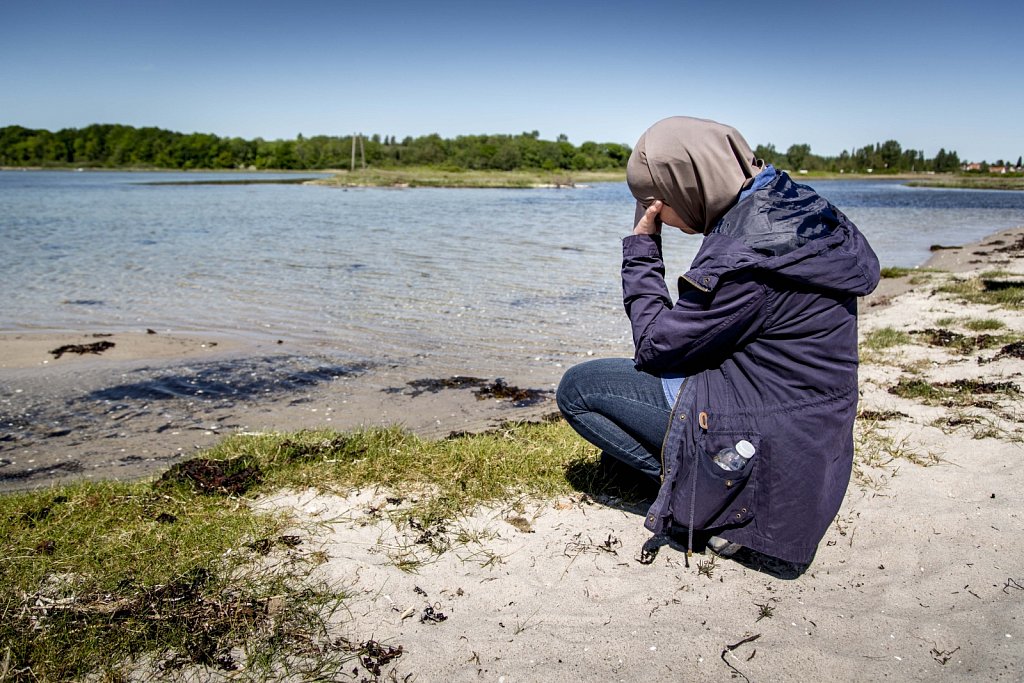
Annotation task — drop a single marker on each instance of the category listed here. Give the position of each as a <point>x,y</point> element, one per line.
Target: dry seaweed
<point>961,342</point>
<point>498,389</point>
<point>881,415</point>
<point>80,349</point>
<point>432,615</point>
<point>1015,248</point>
<point>957,392</point>
<point>433,385</point>
<point>1014,350</point>
<point>226,477</point>
<point>339,447</point>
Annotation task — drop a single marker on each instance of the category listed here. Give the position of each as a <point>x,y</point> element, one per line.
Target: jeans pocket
<point>709,496</point>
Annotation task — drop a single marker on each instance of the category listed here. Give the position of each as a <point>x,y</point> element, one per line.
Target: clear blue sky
<point>835,75</point>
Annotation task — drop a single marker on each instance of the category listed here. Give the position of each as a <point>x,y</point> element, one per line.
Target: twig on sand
<point>730,648</point>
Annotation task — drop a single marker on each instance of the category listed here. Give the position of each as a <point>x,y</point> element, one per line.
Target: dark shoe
<point>723,548</point>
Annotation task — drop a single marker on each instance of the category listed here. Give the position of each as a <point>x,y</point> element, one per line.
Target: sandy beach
<point>919,578</point>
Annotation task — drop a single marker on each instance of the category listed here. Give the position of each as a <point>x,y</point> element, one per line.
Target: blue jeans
<point>619,409</point>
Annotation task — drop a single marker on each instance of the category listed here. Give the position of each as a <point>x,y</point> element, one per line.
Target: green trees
<point>796,155</point>
<point>113,146</point>
<point>120,146</point>
<point>945,162</point>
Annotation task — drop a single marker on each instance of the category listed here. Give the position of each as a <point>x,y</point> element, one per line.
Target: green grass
<point>988,290</point>
<point>984,426</point>
<point>963,392</point>
<point>962,343</point>
<point>445,177</point>
<point>877,451</point>
<point>884,338</point>
<point>973,324</point>
<point>974,182</point>
<point>456,474</point>
<point>97,577</point>
<point>918,275</point>
<point>895,271</point>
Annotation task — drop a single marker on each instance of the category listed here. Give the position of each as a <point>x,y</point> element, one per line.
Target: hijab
<point>696,166</point>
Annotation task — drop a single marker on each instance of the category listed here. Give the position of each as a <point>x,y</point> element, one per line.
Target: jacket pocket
<point>707,495</point>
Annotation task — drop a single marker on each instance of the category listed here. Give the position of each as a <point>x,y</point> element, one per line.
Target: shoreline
<point>153,399</point>
<point>402,177</point>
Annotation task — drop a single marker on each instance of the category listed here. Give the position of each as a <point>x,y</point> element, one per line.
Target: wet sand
<point>150,400</point>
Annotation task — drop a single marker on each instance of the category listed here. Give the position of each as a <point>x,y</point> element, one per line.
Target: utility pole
<point>362,151</point>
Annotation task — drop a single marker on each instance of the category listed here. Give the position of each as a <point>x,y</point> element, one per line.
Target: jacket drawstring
<point>702,421</point>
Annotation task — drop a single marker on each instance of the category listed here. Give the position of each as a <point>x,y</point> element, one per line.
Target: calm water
<point>508,276</point>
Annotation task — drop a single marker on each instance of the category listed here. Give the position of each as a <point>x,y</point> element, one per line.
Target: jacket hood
<point>788,230</point>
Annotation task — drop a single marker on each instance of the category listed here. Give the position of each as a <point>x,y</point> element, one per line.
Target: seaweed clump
<point>957,392</point>
<point>961,342</point>
<point>1014,350</point>
<point>81,349</point>
<point>499,389</point>
<point>226,477</point>
<point>880,415</point>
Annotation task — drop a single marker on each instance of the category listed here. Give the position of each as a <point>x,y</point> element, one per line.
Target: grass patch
<point>99,579</point>
<point>877,454</point>
<point>443,177</point>
<point>95,578</point>
<point>963,343</point>
<point>987,291</point>
<point>961,392</point>
<point>885,337</point>
<point>901,271</point>
<point>880,415</point>
<point>454,474</point>
<point>981,426</point>
<point>973,324</point>
<point>972,182</point>
<point>895,271</point>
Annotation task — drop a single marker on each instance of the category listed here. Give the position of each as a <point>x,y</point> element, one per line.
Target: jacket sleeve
<point>700,326</point>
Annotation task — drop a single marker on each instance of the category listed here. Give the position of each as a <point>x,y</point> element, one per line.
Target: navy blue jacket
<point>765,330</point>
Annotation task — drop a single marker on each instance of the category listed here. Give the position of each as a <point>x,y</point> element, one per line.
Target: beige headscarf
<point>696,166</point>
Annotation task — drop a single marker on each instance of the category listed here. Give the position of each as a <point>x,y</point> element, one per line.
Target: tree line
<point>124,146</point>
<point>117,146</point>
<point>886,157</point>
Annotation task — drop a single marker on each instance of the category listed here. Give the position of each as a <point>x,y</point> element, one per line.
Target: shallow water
<point>498,276</point>
<point>373,294</point>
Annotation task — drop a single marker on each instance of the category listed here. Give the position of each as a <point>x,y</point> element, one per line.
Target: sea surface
<point>493,275</point>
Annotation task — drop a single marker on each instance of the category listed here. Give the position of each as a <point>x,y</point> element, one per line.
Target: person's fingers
<point>649,221</point>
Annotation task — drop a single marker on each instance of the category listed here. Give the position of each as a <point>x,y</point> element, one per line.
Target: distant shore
<point>423,176</point>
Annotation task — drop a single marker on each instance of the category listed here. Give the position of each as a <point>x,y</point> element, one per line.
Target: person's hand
<point>650,224</point>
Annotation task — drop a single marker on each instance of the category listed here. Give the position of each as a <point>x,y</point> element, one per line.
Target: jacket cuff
<point>641,246</point>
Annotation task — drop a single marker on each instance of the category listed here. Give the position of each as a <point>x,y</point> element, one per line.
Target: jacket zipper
<point>671,421</point>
